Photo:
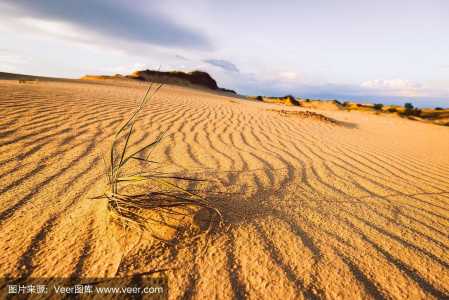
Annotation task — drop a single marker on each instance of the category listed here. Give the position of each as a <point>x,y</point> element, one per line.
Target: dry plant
<point>167,197</point>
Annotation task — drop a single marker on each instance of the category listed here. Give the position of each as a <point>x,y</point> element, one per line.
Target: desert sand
<point>356,209</point>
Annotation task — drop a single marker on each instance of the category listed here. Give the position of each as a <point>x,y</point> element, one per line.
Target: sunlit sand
<point>353,208</point>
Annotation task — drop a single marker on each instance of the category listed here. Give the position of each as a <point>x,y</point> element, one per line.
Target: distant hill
<point>195,78</point>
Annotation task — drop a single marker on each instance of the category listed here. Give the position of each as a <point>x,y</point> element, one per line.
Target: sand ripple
<point>315,210</point>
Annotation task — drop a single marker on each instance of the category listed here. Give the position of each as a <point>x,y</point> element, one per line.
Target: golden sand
<point>314,209</point>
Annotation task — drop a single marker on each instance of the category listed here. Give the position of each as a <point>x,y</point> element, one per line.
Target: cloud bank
<point>113,19</point>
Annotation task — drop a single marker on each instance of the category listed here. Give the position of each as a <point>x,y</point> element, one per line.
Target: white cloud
<point>393,84</point>
<point>288,75</point>
<point>396,87</point>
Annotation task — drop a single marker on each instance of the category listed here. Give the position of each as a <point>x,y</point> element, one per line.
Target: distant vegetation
<point>438,115</point>
<point>408,106</point>
<point>286,100</point>
<point>410,110</point>
<point>392,110</point>
<point>337,102</point>
<point>378,106</point>
<point>290,100</point>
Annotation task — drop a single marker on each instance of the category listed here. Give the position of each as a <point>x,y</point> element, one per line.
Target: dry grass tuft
<point>305,115</point>
<point>22,81</point>
<point>164,196</point>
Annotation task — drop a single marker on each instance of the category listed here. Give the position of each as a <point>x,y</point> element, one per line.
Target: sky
<point>379,51</point>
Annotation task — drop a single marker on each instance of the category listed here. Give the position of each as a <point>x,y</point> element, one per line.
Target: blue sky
<point>375,51</point>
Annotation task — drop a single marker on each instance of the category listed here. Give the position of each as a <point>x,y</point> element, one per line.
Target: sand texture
<point>351,206</point>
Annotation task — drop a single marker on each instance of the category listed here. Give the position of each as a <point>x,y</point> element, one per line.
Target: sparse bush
<point>392,110</point>
<point>259,98</point>
<point>307,100</point>
<point>378,106</point>
<point>408,106</point>
<point>291,100</point>
<point>28,81</point>
<point>410,110</point>
<point>439,108</point>
<point>336,101</point>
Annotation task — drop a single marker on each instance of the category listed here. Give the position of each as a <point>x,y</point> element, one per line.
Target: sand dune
<point>314,209</point>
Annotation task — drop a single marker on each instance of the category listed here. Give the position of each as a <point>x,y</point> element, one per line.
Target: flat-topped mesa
<point>196,77</point>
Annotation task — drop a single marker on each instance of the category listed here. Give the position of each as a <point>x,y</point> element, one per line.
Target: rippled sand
<point>313,209</point>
